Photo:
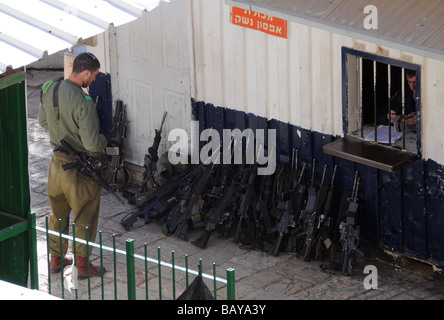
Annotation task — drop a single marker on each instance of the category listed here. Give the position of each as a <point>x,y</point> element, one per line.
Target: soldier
<point>70,114</point>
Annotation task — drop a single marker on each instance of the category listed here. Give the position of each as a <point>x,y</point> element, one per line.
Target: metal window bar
<point>375,113</point>
<point>403,106</point>
<point>130,257</point>
<point>389,98</point>
<point>375,106</point>
<point>360,109</point>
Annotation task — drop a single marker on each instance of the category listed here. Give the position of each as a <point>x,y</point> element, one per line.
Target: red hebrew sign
<point>259,21</point>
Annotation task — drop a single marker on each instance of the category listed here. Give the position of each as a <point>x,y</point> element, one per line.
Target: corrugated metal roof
<point>28,28</point>
<point>410,25</point>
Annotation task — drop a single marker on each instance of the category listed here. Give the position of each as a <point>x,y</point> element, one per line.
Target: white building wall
<point>296,80</point>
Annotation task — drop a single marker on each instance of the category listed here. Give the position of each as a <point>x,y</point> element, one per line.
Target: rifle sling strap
<point>55,95</point>
<point>55,103</point>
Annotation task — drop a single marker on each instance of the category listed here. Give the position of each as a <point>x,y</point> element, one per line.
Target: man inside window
<point>409,106</point>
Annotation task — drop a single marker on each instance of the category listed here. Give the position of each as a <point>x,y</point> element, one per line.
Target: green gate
<point>15,229</point>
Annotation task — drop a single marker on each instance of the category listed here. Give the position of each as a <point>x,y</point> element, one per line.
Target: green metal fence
<point>136,278</point>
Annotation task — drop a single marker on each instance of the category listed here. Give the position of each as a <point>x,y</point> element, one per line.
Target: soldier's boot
<point>56,263</point>
<point>82,268</point>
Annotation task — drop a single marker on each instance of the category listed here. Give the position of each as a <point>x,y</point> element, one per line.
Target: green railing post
<point>74,247</point>
<point>214,281</point>
<point>62,279</point>
<point>230,284</point>
<point>115,266</point>
<point>48,254</point>
<point>146,270</point>
<point>159,266</point>
<point>130,269</point>
<point>173,274</point>
<point>88,262</point>
<point>186,270</point>
<point>33,258</point>
<point>101,265</point>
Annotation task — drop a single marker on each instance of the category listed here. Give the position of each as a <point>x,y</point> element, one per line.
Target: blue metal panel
<point>434,211</point>
<point>230,118</point>
<point>215,118</point>
<point>414,210</point>
<point>101,88</point>
<point>239,120</point>
<point>369,201</point>
<point>283,147</point>
<point>262,123</point>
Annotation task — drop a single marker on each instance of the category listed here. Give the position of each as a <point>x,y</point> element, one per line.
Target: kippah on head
<point>410,73</point>
<point>85,61</point>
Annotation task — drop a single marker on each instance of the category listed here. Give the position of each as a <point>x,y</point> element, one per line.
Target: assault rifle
<point>150,161</point>
<point>297,198</point>
<point>181,225</point>
<point>187,186</point>
<point>246,204</point>
<point>85,165</point>
<point>324,221</point>
<point>286,220</point>
<point>215,215</point>
<point>262,217</point>
<point>350,231</point>
<point>158,201</point>
<point>308,216</point>
<point>228,218</point>
<point>311,219</point>
<point>115,149</point>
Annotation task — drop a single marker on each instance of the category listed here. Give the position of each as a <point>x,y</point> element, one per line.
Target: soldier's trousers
<point>70,191</point>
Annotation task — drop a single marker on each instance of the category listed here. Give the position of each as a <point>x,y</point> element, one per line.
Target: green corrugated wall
<point>14,179</point>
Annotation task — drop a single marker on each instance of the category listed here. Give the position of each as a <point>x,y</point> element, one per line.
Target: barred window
<point>381,111</point>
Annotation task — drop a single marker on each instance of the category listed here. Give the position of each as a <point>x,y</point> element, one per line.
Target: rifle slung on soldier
<point>85,165</point>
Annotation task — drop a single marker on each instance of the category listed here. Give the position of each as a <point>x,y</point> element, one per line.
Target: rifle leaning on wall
<point>151,158</point>
<point>308,216</point>
<point>115,149</point>
<point>181,225</point>
<point>85,165</point>
<point>323,224</point>
<point>245,224</point>
<point>262,216</point>
<point>215,215</point>
<point>350,231</point>
<point>286,219</point>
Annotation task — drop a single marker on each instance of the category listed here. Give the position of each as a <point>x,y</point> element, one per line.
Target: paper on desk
<point>383,135</point>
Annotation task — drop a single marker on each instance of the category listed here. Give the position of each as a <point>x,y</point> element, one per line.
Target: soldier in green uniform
<point>70,114</point>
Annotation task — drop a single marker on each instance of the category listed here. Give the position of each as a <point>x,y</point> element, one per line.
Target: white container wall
<point>296,80</point>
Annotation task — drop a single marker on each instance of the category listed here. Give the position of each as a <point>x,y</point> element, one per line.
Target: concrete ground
<point>259,276</point>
